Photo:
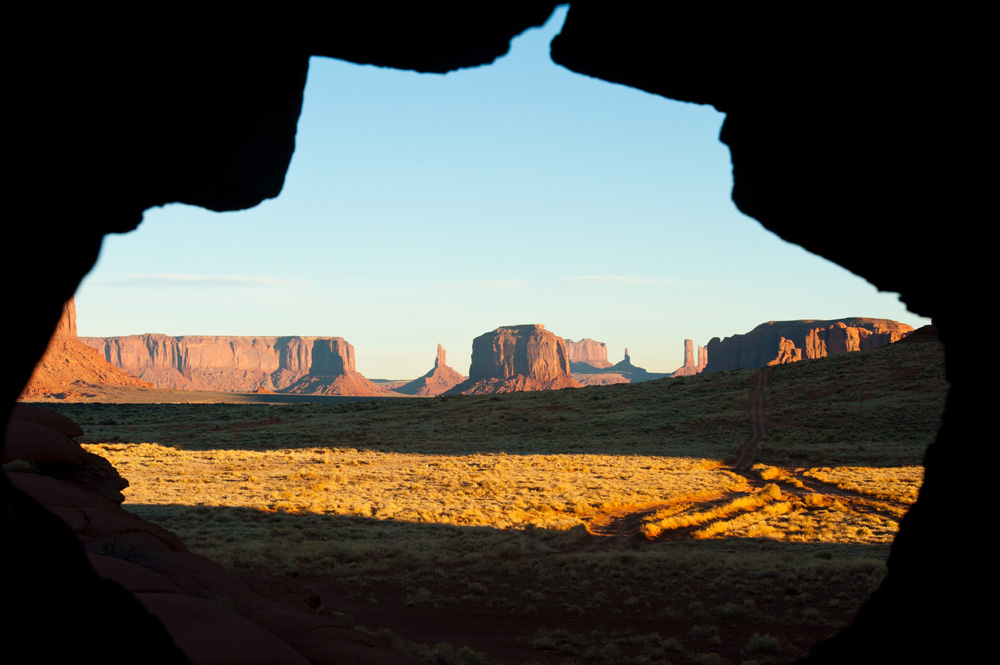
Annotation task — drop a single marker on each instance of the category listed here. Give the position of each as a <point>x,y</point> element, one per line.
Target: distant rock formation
<point>517,358</point>
<point>587,352</point>
<point>779,342</point>
<point>440,379</point>
<point>70,368</point>
<point>332,372</point>
<point>633,373</point>
<point>600,378</point>
<point>691,365</point>
<point>306,365</point>
<point>622,372</point>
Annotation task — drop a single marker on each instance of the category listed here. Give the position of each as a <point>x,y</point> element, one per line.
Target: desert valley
<point>547,507</point>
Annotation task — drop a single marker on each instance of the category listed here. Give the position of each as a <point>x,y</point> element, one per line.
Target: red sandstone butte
<point>517,358</point>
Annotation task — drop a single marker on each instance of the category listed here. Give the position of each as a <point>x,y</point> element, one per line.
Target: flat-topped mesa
<point>516,358</point>
<point>587,352</point>
<point>780,342</point>
<point>235,363</point>
<point>435,382</point>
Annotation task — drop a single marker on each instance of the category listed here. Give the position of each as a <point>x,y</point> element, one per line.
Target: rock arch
<point>850,135</point>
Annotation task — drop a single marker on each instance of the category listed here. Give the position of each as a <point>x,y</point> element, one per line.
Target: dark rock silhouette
<point>849,133</point>
<point>517,358</point>
<point>440,379</point>
<point>779,342</point>
<point>196,599</point>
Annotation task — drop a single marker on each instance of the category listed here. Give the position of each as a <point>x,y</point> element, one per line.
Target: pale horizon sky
<point>422,209</point>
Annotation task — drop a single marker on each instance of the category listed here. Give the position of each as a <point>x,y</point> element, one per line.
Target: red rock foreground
<point>212,615</point>
<point>517,358</point>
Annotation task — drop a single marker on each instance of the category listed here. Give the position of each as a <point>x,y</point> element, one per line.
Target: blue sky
<point>422,209</point>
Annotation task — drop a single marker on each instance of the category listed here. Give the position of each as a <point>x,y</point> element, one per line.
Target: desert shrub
<point>762,644</point>
<point>704,631</point>
<point>707,659</point>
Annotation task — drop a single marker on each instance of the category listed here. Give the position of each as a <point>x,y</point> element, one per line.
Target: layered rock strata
<point>779,342</point>
<point>440,379</point>
<point>517,358</point>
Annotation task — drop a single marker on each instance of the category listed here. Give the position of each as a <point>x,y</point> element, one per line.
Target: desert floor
<point>730,518</point>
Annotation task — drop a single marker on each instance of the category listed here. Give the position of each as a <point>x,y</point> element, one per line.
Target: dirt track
<point>757,427</point>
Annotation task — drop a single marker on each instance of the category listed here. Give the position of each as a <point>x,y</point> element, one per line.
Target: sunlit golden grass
<point>900,484</point>
<point>497,490</point>
<point>662,521</point>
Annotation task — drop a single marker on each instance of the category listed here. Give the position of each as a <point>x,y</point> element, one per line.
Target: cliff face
<point>516,358</point>
<point>589,352</point>
<point>235,364</point>
<point>779,342</point>
<point>439,380</point>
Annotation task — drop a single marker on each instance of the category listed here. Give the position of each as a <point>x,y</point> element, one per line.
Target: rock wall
<point>225,363</point>
<point>589,352</point>
<point>516,358</point>
<point>779,342</point>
